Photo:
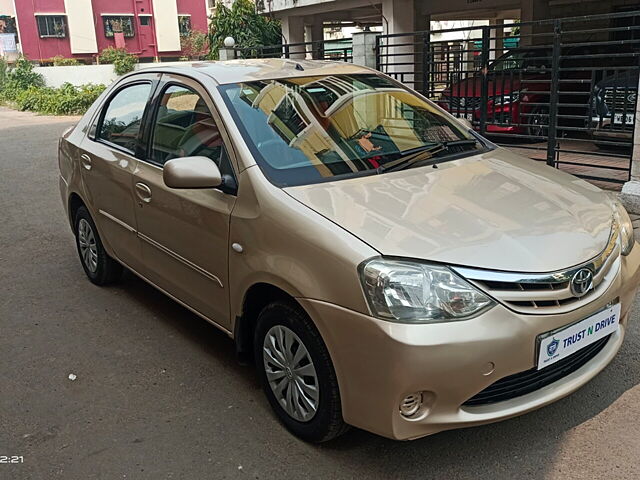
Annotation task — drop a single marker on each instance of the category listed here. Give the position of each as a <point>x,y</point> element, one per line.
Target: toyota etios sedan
<point>383,265</point>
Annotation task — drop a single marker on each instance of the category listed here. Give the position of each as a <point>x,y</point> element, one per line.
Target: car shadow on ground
<point>516,448</point>
<point>197,331</point>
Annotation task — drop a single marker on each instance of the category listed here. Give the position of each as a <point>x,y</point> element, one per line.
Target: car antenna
<point>299,67</point>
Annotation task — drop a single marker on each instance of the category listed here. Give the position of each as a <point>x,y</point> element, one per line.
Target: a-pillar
<point>293,33</point>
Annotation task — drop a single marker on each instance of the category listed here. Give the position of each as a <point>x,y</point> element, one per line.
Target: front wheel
<point>538,122</point>
<point>297,374</point>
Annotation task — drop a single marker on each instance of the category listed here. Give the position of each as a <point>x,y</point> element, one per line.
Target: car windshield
<point>312,129</point>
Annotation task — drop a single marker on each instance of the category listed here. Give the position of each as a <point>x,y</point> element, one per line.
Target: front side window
<point>184,25</point>
<point>184,127</point>
<point>52,26</point>
<point>311,129</point>
<point>118,24</point>
<point>122,118</point>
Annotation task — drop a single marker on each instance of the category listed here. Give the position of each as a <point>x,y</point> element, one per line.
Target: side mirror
<point>191,172</point>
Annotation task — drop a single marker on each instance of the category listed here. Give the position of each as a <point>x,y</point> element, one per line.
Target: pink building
<point>83,28</point>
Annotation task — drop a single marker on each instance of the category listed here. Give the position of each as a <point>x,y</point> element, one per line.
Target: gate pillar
<point>630,195</point>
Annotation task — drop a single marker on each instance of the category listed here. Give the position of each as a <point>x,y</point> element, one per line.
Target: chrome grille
<point>462,103</point>
<point>548,293</point>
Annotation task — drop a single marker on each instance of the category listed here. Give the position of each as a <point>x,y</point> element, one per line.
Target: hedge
<point>24,89</point>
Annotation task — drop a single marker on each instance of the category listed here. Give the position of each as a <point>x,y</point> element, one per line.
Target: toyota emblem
<point>582,282</point>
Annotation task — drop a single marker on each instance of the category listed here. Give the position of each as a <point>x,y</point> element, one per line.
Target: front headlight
<point>411,292</point>
<point>627,239</point>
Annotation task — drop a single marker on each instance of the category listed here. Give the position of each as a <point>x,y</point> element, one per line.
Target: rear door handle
<point>85,160</point>
<point>143,192</point>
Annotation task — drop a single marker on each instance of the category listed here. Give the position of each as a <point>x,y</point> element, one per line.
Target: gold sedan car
<point>382,265</point>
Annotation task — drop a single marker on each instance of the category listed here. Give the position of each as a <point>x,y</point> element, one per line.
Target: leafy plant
<point>60,61</point>
<point>4,69</point>
<point>19,78</point>
<point>24,89</point>
<point>195,44</point>
<point>123,62</point>
<point>244,24</point>
<point>65,100</point>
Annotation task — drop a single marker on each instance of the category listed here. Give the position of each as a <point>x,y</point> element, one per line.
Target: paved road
<point>158,393</point>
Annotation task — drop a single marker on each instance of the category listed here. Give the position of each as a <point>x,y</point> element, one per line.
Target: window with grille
<point>114,24</point>
<point>184,24</point>
<point>52,26</point>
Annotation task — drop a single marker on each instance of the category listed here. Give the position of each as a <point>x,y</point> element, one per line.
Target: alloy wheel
<point>539,123</point>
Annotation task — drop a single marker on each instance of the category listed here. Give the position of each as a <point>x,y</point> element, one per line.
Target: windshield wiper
<point>408,160</point>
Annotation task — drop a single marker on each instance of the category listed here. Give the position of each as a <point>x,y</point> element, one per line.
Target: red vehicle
<point>518,98</point>
<point>518,94</point>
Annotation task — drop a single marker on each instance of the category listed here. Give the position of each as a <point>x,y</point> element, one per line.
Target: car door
<point>108,161</point>
<point>185,232</point>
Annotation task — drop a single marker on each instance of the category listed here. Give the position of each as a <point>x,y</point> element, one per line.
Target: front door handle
<point>85,160</point>
<point>143,192</point>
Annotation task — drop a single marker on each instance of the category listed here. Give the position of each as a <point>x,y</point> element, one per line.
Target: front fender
<point>288,245</point>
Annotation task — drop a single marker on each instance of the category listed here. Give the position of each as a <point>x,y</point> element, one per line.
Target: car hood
<point>495,210</point>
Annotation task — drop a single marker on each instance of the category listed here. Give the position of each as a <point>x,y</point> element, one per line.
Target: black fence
<point>338,50</point>
<point>562,90</point>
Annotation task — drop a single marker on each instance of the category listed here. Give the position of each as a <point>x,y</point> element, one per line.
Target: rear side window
<point>123,116</point>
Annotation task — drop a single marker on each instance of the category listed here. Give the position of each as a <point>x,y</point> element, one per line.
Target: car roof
<point>235,71</point>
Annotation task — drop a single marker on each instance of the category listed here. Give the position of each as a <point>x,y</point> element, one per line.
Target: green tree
<point>244,24</point>
<point>195,45</point>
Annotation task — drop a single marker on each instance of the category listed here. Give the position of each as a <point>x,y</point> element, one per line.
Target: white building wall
<point>77,75</point>
<point>276,5</point>
<point>6,8</point>
<point>165,16</point>
<point>97,74</point>
<point>82,33</point>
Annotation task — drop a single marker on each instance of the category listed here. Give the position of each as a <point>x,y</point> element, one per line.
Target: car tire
<point>289,379</point>
<point>538,123</point>
<point>100,268</point>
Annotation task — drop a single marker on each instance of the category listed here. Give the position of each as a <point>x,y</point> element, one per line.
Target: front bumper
<point>500,118</point>
<point>607,130</point>
<point>378,363</point>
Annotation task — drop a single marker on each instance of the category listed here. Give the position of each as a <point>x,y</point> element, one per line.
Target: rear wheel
<point>99,267</point>
<point>297,374</point>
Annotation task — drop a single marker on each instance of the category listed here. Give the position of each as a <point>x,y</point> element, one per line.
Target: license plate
<point>628,118</point>
<point>560,344</point>
<point>468,116</point>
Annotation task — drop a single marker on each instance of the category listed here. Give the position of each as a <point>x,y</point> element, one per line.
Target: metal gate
<point>562,90</point>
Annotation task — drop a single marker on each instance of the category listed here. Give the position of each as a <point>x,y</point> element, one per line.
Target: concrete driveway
<point>158,393</point>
